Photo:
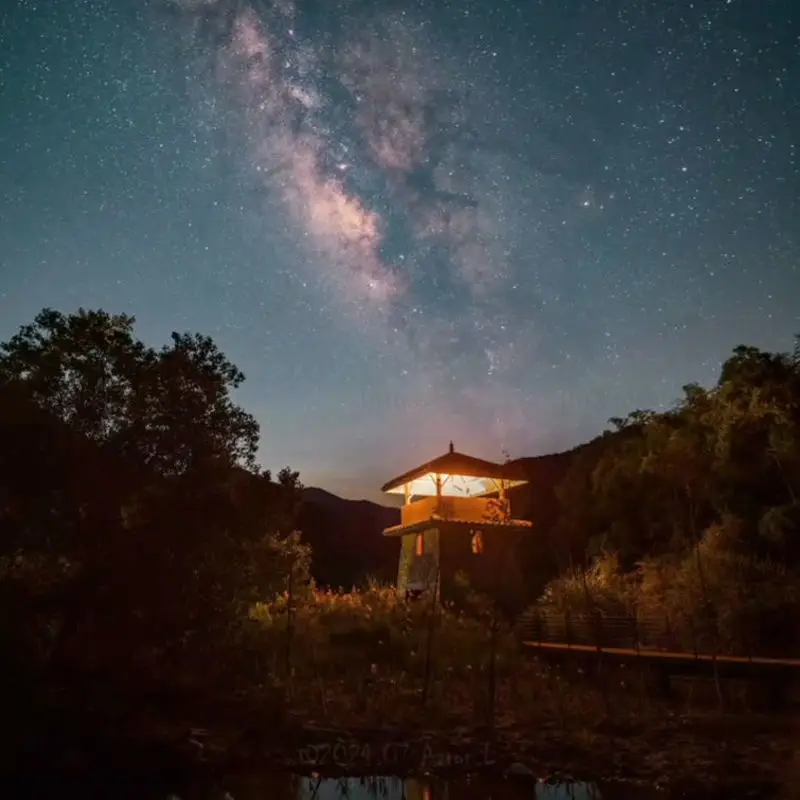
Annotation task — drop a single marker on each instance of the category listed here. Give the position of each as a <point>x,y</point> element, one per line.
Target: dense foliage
<point>136,527</point>
<point>693,512</point>
<point>386,631</point>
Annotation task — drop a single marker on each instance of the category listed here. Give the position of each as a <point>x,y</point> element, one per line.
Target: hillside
<point>346,540</point>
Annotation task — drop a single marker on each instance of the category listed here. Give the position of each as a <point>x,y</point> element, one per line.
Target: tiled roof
<point>453,463</point>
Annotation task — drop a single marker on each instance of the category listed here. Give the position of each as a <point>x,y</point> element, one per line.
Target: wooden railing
<point>660,633</point>
<point>468,509</point>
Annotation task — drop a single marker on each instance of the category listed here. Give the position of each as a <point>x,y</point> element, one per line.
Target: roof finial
<point>452,449</point>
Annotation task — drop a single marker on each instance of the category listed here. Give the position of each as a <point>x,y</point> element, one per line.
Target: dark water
<point>411,789</point>
<point>287,786</point>
<point>291,787</point>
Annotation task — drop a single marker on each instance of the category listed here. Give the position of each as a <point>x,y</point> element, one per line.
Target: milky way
<point>369,139</point>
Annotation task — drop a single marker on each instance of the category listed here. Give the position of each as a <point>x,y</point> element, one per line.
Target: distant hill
<point>545,553</point>
<point>346,540</point>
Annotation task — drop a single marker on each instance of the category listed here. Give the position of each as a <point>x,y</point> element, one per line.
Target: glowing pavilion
<point>456,517</point>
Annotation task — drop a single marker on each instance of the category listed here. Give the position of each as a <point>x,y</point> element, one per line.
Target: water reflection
<point>286,786</point>
<point>318,788</point>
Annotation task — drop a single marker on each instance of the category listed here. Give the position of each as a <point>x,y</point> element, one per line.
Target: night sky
<point>499,223</point>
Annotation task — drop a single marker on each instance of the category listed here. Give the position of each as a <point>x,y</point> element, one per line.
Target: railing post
<point>568,628</point>
<point>539,626</point>
<point>598,632</point>
<point>668,629</point>
<point>694,637</point>
<point>747,637</point>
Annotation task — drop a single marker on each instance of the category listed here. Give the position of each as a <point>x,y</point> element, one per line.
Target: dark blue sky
<point>497,223</point>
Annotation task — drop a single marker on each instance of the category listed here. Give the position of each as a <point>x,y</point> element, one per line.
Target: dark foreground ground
<point>699,756</point>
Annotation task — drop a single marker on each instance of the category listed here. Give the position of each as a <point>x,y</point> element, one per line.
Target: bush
<point>336,630</point>
<point>711,597</point>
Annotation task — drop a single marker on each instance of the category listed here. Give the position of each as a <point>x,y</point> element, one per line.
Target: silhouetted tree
<point>170,410</point>
<point>130,501</point>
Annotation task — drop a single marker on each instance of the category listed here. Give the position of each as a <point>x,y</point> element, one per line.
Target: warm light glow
<point>420,544</point>
<point>453,486</point>
<point>477,542</point>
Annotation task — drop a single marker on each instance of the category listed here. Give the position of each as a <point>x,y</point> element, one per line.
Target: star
<point>422,222</point>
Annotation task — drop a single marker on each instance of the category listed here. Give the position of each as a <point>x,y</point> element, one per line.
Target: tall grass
<point>359,658</point>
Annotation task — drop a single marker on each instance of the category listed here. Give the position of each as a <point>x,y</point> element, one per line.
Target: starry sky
<point>499,223</point>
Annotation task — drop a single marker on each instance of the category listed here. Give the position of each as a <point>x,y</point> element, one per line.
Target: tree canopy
<point>131,504</point>
<point>702,495</point>
<point>169,410</point>
<point>728,452</point>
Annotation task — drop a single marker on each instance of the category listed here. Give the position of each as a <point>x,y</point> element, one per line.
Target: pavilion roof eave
<point>427,524</point>
<point>454,463</point>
